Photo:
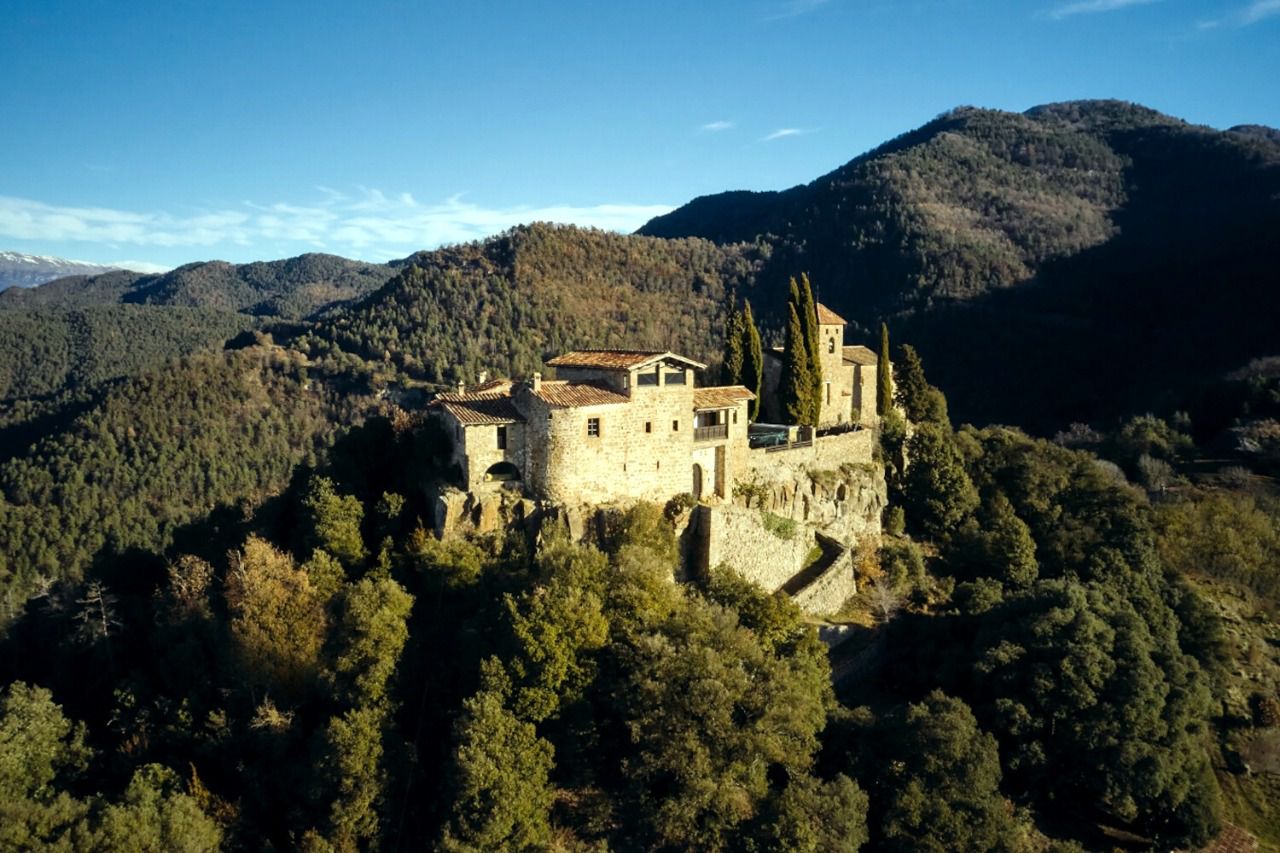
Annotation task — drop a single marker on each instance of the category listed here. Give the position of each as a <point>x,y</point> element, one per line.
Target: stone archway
<point>502,472</point>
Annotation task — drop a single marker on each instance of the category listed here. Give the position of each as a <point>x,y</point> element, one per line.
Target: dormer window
<point>675,377</point>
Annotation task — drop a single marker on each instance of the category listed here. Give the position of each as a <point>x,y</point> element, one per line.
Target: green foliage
<point>783,528</point>
<point>156,816</point>
<point>808,311</point>
<point>500,792</point>
<point>796,385</point>
<point>277,620</point>
<point>1227,536</point>
<point>884,374</point>
<point>815,817</point>
<point>371,633</point>
<point>707,710</point>
<point>332,521</point>
<point>555,629</point>
<point>501,305</point>
<point>752,359</point>
<point>997,545</point>
<point>40,745</point>
<point>937,492</point>
<point>44,352</point>
<point>156,453</point>
<point>944,782</point>
<point>732,360</point>
<point>921,402</point>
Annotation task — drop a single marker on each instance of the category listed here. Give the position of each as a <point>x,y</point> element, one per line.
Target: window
<point>502,438</point>
<point>593,427</point>
<point>831,344</point>
<point>650,378</point>
<point>675,426</point>
<point>648,426</point>
<point>735,416</point>
<point>828,384</point>
<point>675,377</point>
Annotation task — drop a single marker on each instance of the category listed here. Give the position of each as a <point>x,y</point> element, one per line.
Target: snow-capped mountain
<point>19,270</point>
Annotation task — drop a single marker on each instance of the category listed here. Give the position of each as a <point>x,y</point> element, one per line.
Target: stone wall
<point>479,450</point>
<point>738,537</point>
<point>831,589</point>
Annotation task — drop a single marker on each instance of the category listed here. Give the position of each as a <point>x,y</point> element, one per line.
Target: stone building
<point>614,425</point>
<point>848,378</point>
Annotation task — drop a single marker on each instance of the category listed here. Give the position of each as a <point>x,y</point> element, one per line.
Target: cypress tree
<point>731,364</point>
<point>884,374</point>
<point>796,388</point>
<point>808,311</point>
<point>752,360</point>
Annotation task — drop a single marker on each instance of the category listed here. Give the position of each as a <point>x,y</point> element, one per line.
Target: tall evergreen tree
<point>796,388</point>
<point>884,374</point>
<point>752,359</point>
<point>808,311</point>
<point>731,363</point>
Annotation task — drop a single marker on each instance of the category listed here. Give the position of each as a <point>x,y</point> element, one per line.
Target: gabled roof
<point>493,386</point>
<point>720,397</point>
<point>618,359</point>
<point>569,395</point>
<point>471,409</point>
<point>860,355</point>
<point>827,317</point>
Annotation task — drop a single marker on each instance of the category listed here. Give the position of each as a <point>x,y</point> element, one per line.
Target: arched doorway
<point>501,472</point>
<point>697,482</point>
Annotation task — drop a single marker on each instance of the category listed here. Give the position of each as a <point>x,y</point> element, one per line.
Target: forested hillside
<point>1045,249</point>
<point>507,303</point>
<point>148,455</point>
<point>289,289</point>
<point>46,351</point>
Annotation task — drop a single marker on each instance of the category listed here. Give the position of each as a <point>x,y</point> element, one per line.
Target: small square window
<point>593,427</point>
<point>502,438</point>
<point>675,426</point>
<point>648,426</point>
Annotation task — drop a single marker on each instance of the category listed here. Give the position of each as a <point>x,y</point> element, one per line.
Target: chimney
<point>462,387</point>
<point>537,382</point>
<point>483,377</point>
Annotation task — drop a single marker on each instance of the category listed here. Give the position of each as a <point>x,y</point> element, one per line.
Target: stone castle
<point>615,426</point>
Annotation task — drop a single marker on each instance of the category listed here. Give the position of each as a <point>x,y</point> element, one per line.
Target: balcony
<point>711,433</point>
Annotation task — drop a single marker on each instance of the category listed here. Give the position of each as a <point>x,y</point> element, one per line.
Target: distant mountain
<point>1072,262</point>
<point>292,289</point>
<point>19,270</point>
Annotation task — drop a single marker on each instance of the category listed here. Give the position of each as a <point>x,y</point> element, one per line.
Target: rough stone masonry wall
<point>622,462</point>
<point>738,538</point>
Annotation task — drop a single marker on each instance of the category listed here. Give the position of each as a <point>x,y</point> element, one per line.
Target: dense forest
<point>1047,674</point>
<point>1047,248</point>
<point>223,625</point>
<point>290,289</point>
<point>506,304</point>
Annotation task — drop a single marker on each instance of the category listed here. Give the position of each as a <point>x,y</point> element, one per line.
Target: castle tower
<point>837,399</point>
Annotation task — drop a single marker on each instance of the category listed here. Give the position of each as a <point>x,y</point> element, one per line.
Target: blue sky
<point>167,132</point>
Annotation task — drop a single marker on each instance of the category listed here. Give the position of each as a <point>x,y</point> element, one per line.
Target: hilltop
<point>291,289</point>
<point>22,270</point>
<point>1041,249</point>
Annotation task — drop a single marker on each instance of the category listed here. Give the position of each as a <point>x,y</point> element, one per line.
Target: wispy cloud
<point>793,9</point>
<point>717,126</point>
<point>1258,10</point>
<point>1093,7</point>
<point>783,132</point>
<point>367,224</point>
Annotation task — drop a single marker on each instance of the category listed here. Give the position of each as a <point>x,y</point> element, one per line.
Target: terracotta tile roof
<point>827,317</point>
<point>720,397</point>
<point>569,395</point>
<point>617,359</point>
<point>860,355</point>
<point>478,409</point>
<point>493,385</point>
